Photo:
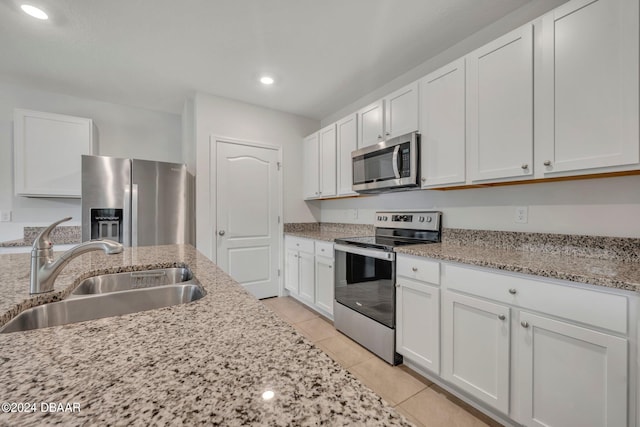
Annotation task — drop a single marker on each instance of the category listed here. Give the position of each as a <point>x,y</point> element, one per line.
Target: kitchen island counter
<point>206,362</point>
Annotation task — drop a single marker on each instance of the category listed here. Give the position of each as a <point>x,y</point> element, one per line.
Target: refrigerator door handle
<point>126,223</point>
<point>134,214</point>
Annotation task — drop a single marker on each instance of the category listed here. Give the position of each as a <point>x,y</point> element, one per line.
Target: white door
<point>324,283</point>
<point>307,277</point>
<point>328,162</point>
<point>442,121</point>
<point>347,140</point>
<point>311,165</point>
<point>571,376</point>
<point>370,124</point>
<point>291,273</point>
<point>475,353</point>
<point>401,113</point>
<point>500,107</point>
<point>248,209</point>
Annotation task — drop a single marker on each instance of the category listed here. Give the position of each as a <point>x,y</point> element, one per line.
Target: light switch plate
<point>5,216</point>
<point>522,214</point>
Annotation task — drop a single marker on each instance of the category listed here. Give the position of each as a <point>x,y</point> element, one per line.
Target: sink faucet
<point>44,270</point>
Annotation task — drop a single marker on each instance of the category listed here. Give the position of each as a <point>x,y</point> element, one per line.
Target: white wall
<point>216,116</point>
<point>122,132</point>
<point>603,207</point>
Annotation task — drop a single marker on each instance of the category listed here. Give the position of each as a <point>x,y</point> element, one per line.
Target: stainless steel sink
<point>133,280</point>
<point>80,308</point>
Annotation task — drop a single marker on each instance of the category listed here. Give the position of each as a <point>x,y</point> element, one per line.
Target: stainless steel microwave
<point>388,166</point>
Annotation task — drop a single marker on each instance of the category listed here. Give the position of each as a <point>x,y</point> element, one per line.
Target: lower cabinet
<point>476,348</point>
<point>526,348</point>
<point>309,272</point>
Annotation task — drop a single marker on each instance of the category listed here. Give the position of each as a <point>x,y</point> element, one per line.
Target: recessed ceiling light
<point>34,11</point>
<point>266,80</point>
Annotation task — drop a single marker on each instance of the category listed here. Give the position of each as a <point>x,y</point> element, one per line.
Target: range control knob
<point>379,218</point>
<point>384,218</point>
<point>421,219</point>
<point>429,219</point>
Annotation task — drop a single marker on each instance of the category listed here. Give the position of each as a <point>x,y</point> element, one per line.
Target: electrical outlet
<point>522,214</point>
<point>5,216</point>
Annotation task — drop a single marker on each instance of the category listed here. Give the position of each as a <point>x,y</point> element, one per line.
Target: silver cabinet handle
<point>502,316</point>
<point>423,179</point>
<point>221,232</point>
<point>512,291</point>
<point>524,324</point>
<point>547,163</point>
<point>414,269</point>
<point>525,166</point>
<point>331,266</point>
<point>387,133</point>
<point>379,136</point>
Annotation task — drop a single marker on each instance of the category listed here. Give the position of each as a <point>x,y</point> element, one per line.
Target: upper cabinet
<point>371,124</point>
<point>401,111</point>
<point>47,153</point>
<point>319,163</point>
<point>442,122</point>
<point>589,83</point>
<point>500,107</point>
<point>311,166</point>
<point>347,141</point>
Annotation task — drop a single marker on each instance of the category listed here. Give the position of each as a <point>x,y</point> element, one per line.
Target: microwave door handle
<point>396,171</point>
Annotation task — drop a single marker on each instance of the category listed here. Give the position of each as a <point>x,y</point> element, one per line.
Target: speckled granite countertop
<point>62,234</point>
<point>602,272</point>
<point>207,362</point>
<point>328,231</point>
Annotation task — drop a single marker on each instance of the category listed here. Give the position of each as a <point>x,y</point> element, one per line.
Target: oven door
<point>365,282</point>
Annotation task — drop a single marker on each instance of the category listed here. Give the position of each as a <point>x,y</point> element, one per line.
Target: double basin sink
<point>113,295</point>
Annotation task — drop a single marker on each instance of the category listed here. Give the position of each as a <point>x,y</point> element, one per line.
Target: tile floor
<point>422,402</point>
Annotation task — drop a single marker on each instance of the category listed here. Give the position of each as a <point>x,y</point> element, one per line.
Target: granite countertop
<point>206,362</point>
<point>61,235</point>
<point>326,235</point>
<point>603,272</point>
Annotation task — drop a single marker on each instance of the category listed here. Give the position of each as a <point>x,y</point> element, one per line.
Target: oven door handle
<point>373,253</point>
<point>396,169</point>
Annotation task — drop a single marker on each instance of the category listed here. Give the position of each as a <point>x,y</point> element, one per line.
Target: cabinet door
<point>347,136</point>
<point>500,107</point>
<point>442,121</point>
<point>291,271</point>
<point>48,149</point>
<point>418,323</point>
<point>310,164</point>
<point>328,161</point>
<point>307,276</point>
<point>475,353</point>
<point>370,124</point>
<point>570,376</point>
<point>590,77</point>
<point>401,111</point>
<point>324,283</point>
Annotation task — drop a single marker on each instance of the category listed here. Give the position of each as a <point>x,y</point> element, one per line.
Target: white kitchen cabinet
<point>47,153</point>
<point>401,111</point>
<point>442,125</point>
<point>347,141</point>
<point>589,106</point>
<point>299,267</point>
<point>311,166</point>
<point>475,348</point>
<point>324,277</point>
<point>371,124</point>
<point>570,375</point>
<point>327,157</point>
<point>319,163</point>
<point>500,108</point>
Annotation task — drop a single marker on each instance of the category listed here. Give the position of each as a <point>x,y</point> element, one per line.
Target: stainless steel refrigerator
<point>137,202</point>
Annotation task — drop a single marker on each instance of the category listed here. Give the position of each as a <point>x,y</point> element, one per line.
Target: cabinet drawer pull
<point>512,291</point>
<point>502,316</point>
<point>379,136</point>
<point>525,166</point>
<point>414,269</point>
<point>547,163</point>
<point>524,324</point>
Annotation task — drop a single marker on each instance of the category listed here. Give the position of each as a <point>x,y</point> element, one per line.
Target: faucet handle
<point>42,241</point>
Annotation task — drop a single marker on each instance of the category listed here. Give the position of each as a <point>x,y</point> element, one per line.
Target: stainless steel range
<point>365,278</point>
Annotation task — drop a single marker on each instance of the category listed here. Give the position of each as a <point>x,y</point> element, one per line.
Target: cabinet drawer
<point>600,309</point>
<point>418,268</point>
<point>299,243</point>
<point>324,249</point>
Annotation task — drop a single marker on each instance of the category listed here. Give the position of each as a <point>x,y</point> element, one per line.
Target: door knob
<point>524,324</point>
<point>221,232</point>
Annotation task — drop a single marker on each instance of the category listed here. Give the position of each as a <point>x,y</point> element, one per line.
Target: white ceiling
<point>155,53</point>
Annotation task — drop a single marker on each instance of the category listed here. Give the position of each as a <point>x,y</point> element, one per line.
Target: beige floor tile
<point>290,309</point>
<point>344,351</point>
<point>392,383</point>
<point>432,409</point>
<point>316,329</point>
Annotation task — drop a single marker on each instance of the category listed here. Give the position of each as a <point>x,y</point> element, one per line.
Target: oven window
<point>366,285</point>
